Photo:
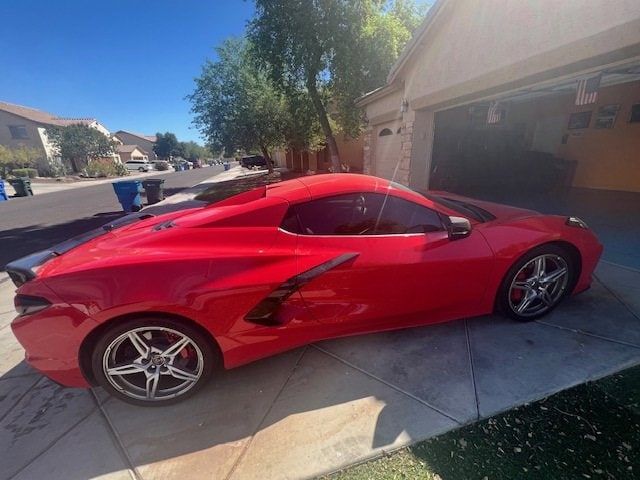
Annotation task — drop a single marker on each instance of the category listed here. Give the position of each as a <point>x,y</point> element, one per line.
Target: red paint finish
<point>214,264</point>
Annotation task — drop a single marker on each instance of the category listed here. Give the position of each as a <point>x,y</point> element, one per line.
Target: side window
<point>360,214</point>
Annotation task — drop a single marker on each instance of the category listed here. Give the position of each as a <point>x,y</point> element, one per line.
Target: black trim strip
<point>265,312</point>
<point>21,270</point>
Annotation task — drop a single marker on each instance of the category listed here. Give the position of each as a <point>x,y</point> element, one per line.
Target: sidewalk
<point>41,188</point>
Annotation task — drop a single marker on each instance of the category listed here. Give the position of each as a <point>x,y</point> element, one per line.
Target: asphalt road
<point>29,224</point>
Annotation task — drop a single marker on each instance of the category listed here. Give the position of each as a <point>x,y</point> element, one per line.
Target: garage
<point>514,109</point>
<point>387,145</point>
<point>544,138</point>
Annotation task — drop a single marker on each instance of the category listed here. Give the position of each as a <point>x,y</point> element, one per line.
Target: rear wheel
<point>153,361</point>
<point>536,283</point>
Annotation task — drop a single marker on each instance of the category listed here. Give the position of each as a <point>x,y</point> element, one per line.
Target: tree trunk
<point>324,123</point>
<point>267,157</point>
<point>74,165</point>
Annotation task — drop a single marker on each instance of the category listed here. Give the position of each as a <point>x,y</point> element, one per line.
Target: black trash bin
<point>22,186</point>
<point>154,189</point>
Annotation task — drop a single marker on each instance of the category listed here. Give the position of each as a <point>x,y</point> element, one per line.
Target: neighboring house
<point>145,142</point>
<point>25,127</point>
<point>131,152</point>
<point>483,86</point>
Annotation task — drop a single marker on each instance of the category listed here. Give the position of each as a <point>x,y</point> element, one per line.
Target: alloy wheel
<point>153,363</point>
<point>539,285</point>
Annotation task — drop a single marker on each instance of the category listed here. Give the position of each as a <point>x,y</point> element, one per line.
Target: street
<point>29,224</point>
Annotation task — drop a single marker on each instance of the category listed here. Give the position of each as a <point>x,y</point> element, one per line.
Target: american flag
<point>494,114</point>
<point>587,92</point>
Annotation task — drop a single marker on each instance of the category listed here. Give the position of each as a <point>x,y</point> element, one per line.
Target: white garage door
<point>387,150</point>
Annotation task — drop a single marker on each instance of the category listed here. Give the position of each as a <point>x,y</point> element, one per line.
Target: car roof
<point>324,185</point>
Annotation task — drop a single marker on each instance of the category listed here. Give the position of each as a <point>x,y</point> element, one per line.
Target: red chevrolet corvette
<point>149,306</point>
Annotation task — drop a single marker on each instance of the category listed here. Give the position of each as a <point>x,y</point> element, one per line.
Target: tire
<point>142,375</point>
<point>141,170</point>
<point>522,282</point>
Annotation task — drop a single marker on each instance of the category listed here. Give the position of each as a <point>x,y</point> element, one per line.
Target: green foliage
<point>167,145</point>
<point>17,158</point>
<point>121,170</point>
<point>103,167</point>
<point>334,49</point>
<point>236,106</point>
<point>24,172</point>
<point>161,165</point>
<point>79,143</point>
<point>192,151</point>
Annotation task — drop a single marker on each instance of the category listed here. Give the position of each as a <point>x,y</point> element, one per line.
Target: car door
<point>390,263</point>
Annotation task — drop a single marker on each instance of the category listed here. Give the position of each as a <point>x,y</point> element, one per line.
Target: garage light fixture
<point>404,106</point>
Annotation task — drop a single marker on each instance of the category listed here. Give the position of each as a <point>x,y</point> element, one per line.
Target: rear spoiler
<point>21,270</point>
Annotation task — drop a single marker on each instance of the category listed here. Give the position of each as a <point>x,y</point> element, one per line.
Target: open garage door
<point>543,139</point>
<point>387,146</point>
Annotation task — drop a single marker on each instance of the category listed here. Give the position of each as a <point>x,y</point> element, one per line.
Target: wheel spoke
<point>139,344</point>
<point>181,374</point>
<point>546,298</point>
<point>126,369</point>
<point>521,286</point>
<point>554,276</point>
<point>539,265</point>
<point>526,301</point>
<point>176,348</point>
<point>152,383</point>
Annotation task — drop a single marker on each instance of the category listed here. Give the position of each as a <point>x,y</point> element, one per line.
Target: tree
<point>167,145</point>
<point>79,143</point>
<point>335,49</point>
<point>236,106</point>
<point>192,151</point>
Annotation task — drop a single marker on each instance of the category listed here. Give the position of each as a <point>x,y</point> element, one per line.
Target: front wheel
<point>536,283</point>
<point>153,362</point>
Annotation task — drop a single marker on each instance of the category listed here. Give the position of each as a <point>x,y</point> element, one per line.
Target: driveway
<point>319,408</point>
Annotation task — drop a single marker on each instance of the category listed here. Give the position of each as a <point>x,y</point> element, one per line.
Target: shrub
<point>121,170</point>
<point>24,172</point>
<point>162,165</point>
<point>101,167</point>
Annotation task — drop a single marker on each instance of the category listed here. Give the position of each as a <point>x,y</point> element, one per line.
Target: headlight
<point>576,222</point>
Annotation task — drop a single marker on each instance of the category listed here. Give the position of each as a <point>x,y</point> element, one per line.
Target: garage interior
<point>547,153</point>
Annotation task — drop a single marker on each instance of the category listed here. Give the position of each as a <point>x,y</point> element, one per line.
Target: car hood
<point>500,211</point>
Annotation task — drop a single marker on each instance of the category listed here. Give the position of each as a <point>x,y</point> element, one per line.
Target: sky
<point>127,63</point>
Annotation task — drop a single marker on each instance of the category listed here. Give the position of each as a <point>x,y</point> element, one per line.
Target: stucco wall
<point>33,141</point>
<point>476,45</point>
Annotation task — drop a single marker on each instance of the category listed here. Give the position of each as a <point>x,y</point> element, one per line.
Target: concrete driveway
<point>319,408</point>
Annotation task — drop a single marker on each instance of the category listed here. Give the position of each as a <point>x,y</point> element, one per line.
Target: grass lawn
<point>588,432</point>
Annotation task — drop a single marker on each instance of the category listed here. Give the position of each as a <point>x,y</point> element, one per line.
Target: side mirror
<point>458,228</point>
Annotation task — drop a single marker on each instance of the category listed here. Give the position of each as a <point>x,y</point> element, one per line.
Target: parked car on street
<point>254,161</point>
<point>138,165</point>
<point>147,307</point>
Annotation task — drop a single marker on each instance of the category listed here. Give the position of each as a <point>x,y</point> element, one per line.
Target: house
<point>25,127</point>
<point>495,91</point>
<point>131,152</point>
<point>145,142</point>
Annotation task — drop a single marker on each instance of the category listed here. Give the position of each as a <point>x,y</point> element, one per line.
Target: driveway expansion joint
<point>390,385</point>
<point>471,367</point>
<point>235,465</point>
<point>587,334</point>
<point>616,296</point>
<point>133,471</point>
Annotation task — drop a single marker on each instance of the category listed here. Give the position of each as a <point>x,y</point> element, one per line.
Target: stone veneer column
<point>367,150</point>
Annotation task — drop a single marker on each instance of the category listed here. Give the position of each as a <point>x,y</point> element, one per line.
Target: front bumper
<point>52,339</point>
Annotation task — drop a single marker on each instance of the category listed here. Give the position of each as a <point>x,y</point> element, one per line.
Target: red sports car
<point>149,306</point>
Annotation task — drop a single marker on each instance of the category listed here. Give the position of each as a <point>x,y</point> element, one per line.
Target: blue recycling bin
<point>3,192</point>
<point>227,166</point>
<point>128,193</point>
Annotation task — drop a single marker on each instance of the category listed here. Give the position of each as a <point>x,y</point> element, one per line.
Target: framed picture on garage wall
<point>607,116</point>
<point>579,120</point>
